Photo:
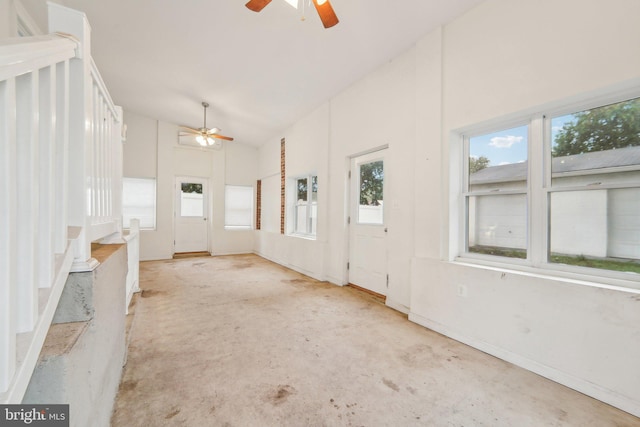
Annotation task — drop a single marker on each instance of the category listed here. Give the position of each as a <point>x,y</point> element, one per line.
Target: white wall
<point>306,148</point>
<point>501,59</point>
<point>8,19</point>
<point>152,151</point>
<point>140,158</point>
<point>376,111</point>
<point>240,164</point>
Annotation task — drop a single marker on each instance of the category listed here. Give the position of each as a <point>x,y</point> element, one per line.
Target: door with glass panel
<point>367,223</point>
<point>191,213</point>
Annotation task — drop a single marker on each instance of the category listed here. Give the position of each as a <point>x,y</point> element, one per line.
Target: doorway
<point>191,230</point>
<point>367,223</point>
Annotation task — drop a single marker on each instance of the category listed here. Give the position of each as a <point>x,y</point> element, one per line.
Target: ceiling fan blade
<point>218,136</point>
<point>327,15</point>
<point>257,5</point>
<point>187,129</point>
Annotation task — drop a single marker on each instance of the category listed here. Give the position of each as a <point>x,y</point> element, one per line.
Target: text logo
<point>34,415</point>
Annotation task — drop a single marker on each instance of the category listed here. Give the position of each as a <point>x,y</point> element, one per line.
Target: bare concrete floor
<point>240,341</point>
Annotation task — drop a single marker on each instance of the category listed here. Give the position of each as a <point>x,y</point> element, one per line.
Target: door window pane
<point>191,200</point>
<point>371,198</point>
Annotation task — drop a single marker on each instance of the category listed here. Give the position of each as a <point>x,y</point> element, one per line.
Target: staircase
<point>60,183</point>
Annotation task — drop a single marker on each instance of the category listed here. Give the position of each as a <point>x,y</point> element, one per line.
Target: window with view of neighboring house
<point>496,196</point>
<point>594,188</point>
<point>561,191</point>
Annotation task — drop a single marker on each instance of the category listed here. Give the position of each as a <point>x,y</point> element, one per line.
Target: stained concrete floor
<point>240,341</point>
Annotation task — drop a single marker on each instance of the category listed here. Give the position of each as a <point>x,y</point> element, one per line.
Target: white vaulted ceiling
<point>259,71</point>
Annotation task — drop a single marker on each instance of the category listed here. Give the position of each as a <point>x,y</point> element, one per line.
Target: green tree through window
<point>478,163</point>
<point>188,187</point>
<point>371,183</point>
<point>605,128</point>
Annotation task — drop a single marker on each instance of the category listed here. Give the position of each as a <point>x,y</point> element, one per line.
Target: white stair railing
<point>133,255</point>
<point>95,191</point>
<point>60,182</point>
<point>34,87</point>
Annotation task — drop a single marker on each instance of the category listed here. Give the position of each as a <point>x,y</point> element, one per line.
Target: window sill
<point>597,279</point>
<point>302,236</point>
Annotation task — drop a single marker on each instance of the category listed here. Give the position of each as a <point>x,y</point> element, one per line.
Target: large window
<point>562,191</point>
<point>305,207</point>
<point>139,201</point>
<point>238,207</point>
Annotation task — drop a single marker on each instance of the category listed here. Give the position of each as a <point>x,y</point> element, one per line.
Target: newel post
<point>69,21</point>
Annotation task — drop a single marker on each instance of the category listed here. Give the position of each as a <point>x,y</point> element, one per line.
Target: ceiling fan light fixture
<point>205,136</point>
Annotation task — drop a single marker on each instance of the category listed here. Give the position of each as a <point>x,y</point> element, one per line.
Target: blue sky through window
<point>510,145</point>
<point>501,148</point>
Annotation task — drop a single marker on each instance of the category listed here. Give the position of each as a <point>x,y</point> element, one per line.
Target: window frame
<point>308,233</point>
<point>539,191</point>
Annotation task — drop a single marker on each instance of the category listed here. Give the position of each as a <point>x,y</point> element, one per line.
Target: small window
<point>496,198</point>
<point>238,207</point>
<point>305,212</point>
<point>139,201</point>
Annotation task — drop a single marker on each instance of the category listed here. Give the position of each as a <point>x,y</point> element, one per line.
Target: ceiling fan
<point>204,135</point>
<point>327,15</point>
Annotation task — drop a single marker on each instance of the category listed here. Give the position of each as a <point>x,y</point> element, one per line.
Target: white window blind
<point>238,207</point>
<point>139,201</point>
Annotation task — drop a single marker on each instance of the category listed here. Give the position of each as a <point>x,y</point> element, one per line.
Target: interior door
<point>368,232</point>
<point>191,225</point>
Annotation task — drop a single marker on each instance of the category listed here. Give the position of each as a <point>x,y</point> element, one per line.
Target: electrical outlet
<point>462,291</point>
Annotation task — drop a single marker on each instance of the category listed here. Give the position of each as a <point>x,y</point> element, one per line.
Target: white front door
<point>368,232</point>
<point>191,225</point>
